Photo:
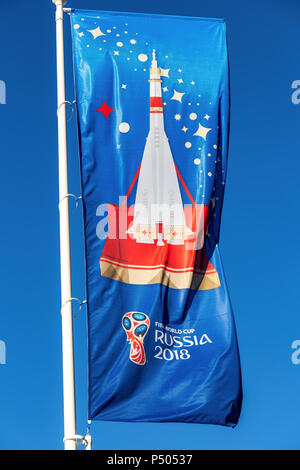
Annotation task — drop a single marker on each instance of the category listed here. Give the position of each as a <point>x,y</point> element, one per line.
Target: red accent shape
<point>105,109</point>
<point>155,102</point>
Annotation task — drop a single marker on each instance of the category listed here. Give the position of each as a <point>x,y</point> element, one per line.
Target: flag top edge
<point>156,15</point>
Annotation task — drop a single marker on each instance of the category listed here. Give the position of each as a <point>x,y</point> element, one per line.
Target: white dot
<point>215,146</point>
<point>133,41</point>
<point>143,57</point>
<point>197,161</point>
<point>76,26</point>
<point>124,127</point>
<point>209,173</point>
<point>119,44</point>
<point>188,145</point>
<point>193,116</point>
<point>108,30</point>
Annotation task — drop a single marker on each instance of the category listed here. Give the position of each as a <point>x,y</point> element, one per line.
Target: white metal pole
<point>65,261</point>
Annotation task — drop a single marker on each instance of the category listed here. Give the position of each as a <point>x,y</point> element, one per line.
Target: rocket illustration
<point>158,212</point>
<point>160,241</point>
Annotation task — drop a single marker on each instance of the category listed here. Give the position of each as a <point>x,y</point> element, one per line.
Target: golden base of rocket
<point>175,279</point>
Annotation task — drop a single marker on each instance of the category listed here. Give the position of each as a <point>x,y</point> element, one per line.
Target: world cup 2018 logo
<point>136,326</point>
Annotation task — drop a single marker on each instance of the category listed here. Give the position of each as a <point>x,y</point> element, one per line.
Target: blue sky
<point>259,236</point>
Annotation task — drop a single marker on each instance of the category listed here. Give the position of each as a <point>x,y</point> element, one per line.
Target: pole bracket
<point>83,440</point>
<point>76,201</point>
<point>71,103</point>
<point>71,300</point>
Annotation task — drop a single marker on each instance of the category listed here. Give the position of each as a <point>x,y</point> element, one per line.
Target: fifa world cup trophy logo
<point>136,326</point>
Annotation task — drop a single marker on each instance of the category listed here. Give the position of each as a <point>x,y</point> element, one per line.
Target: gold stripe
<point>156,266</point>
<point>189,280</point>
<point>155,109</point>
<point>155,71</point>
<point>155,80</point>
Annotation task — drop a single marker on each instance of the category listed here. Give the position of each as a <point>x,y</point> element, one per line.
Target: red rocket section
<point>121,248</point>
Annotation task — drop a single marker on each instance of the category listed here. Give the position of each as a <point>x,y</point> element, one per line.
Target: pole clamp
<point>83,440</point>
<point>63,103</point>
<point>77,199</point>
<point>71,300</point>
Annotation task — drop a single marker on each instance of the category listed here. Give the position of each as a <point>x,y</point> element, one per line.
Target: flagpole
<point>65,260</point>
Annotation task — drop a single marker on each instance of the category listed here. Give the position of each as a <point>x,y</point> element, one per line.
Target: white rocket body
<point>158,211</point>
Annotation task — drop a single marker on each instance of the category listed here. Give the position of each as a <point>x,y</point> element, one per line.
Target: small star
<point>165,89</point>
<point>125,32</point>
<point>179,80</point>
<point>177,96</point>
<point>206,117</point>
<point>177,117</point>
<point>123,86</point>
<point>116,52</point>
<point>164,72</point>
<point>202,131</point>
<point>192,83</point>
<point>165,104</point>
<point>179,70</point>
<point>105,109</point>
<point>184,129</point>
<point>80,34</point>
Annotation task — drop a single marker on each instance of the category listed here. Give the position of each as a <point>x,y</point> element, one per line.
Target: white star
<point>164,72</point>
<point>192,83</point>
<point>202,131</point>
<point>96,32</point>
<point>206,117</point>
<point>124,86</point>
<point>179,70</point>
<point>165,89</point>
<point>81,34</point>
<point>184,129</point>
<point>177,96</point>
<point>116,52</point>
<point>179,80</point>
<point>177,117</point>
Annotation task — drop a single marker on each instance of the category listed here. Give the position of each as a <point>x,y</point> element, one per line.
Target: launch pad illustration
<point>163,241</point>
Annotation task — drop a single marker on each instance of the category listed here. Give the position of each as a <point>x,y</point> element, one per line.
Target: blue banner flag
<point>153,109</point>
